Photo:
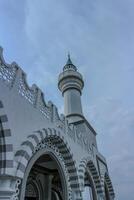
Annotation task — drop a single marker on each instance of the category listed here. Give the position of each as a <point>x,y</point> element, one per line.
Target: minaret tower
<point>71,83</point>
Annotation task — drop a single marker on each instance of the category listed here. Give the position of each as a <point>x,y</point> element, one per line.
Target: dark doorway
<point>44,180</point>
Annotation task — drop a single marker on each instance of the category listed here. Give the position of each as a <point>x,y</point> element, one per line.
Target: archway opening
<point>89,192</point>
<point>45,180</point>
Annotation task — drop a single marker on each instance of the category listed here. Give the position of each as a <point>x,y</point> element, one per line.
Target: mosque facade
<point>44,155</point>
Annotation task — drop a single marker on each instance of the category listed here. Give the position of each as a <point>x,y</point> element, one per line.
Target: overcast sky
<point>38,34</point>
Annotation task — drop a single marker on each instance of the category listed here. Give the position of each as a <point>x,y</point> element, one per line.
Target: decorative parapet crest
<point>14,77</point>
<point>7,71</point>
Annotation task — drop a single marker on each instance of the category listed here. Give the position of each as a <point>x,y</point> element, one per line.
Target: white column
<point>72,102</point>
<point>7,188</point>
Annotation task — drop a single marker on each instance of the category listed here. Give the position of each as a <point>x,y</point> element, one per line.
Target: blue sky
<point>38,34</point>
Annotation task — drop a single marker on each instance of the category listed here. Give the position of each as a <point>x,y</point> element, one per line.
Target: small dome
<point>69,65</point>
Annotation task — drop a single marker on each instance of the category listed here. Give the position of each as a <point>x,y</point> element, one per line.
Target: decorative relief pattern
<point>83,138</point>
<point>17,189</point>
<point>44,109</point>
<point>7,72</point>
<point>29,93</point>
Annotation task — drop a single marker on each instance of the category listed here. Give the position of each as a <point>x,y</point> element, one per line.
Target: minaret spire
<point>69,61</point>
<point>69,64</point>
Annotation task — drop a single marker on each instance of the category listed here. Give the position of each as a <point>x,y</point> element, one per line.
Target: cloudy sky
<point>38,34</point>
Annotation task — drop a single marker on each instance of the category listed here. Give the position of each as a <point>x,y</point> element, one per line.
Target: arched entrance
<point>89,192</point>
<point>47,145</point>
<point>108,188</point>
<point>90,183</point>
<point>45,180</point>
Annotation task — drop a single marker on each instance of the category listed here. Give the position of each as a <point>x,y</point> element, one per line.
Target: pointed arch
<point>85,165</point>
<point>33,143</point>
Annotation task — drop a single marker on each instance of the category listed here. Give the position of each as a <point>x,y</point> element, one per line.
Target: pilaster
<point>9,188</point>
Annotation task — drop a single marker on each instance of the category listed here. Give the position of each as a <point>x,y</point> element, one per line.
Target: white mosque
<point>44,155</point>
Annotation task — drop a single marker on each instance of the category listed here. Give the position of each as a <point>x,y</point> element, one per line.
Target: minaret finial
<point>69,65</point>
<point>69,61</point>
<point>68,55</point>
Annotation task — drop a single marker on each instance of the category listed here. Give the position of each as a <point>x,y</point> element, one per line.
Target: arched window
<point>44,176</point>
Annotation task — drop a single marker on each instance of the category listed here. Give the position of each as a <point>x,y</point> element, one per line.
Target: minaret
<point>71,83</point>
